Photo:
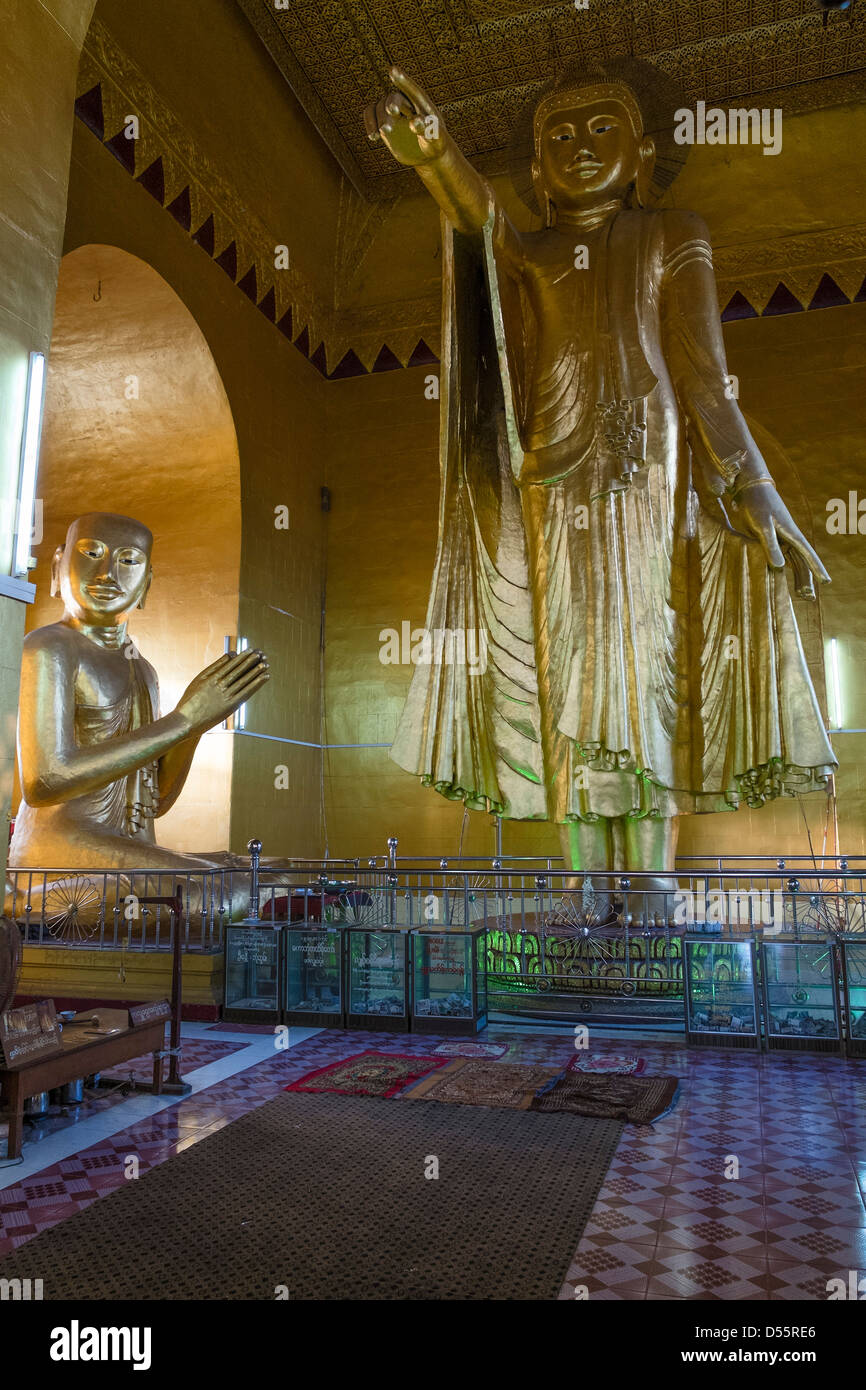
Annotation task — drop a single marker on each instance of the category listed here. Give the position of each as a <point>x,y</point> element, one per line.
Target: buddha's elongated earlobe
<point>55,571</point>
<point>540,193</point>
<point>141,601</point>
<point>645,167</point>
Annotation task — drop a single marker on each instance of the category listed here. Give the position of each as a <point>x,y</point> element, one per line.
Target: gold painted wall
<point>137,422</point>
<point>243,122</point>
<point>802,375</point>
<point>36,117</point>
<point>50,972</point>
<point>269,388</point>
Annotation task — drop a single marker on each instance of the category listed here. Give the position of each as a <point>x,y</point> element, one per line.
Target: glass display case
<point>721,994</point>
<point>854,963</point>
<point>377,973</point>
<point>449,979</point>
<point>252,973</point>
<point>313,976</point>
<point>801,1006</point>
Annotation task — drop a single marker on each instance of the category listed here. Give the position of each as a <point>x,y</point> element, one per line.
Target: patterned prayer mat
<point>638,1099</point>
<point>614,1064</point>
<point>470,1049</point>
<point>380,1074</point>
<point>325,1197</point>
<point>468,1082</point>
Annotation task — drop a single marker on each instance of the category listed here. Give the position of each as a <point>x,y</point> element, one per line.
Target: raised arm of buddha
<point>55,767</point>
<point>413,129</point>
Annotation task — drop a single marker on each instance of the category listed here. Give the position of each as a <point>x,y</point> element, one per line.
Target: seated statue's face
<point>588,153</point>
<point>105,567</point>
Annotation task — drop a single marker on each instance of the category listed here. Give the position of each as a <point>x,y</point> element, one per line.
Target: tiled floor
<point>197,1053</point>
<point>752,1188</point>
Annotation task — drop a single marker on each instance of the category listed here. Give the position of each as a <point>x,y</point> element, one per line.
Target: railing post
<point>392,879</point>
<point>175,1081</point>
<point>255,850</point>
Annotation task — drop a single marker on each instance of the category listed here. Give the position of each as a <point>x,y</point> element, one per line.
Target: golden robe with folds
<point>125,807</point>
<point>642,657</point>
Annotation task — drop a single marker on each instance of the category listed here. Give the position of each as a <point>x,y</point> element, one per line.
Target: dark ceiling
<point>482,59</point>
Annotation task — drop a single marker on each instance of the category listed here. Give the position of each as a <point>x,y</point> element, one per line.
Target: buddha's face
<point>104,570</point>
<point>587,153</point>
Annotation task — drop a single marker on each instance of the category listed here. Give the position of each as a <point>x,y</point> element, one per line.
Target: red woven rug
<point>368,1074</point>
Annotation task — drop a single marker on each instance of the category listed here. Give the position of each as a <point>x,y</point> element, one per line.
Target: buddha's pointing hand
<point>407,122</point>
<point>219,689</point>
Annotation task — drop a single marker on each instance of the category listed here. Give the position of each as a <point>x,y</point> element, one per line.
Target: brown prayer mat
<point>467,1081</point>
<point>638,1099</point>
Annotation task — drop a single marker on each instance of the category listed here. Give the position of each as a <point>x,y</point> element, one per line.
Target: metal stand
<point>254,848</point>
<point>175,1085</point>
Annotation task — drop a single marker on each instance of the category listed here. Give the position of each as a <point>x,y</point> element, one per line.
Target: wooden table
<point>76,1060</point>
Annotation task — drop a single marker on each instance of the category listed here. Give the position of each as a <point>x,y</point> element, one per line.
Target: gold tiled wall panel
<point>232,108</point>
<point>277,789</point>
<point>49,972</point>
<point>802,376</point>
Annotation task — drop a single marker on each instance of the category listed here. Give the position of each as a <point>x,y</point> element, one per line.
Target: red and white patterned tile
<point>668,1222</point>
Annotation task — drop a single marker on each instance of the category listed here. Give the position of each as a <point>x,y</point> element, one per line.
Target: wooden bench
<point>77,1060</point>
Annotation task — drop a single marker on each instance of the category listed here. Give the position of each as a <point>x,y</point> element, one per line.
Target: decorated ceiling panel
<point>482,59</point>
<point>813,267</point>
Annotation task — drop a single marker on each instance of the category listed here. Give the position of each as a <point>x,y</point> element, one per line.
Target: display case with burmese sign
<point>377,977</point>
<point>801,1005</point>
<point>721,994</point>
<point>312,975</point>
<point>449,981</point>
<point>854,981</point>
<point>252,973</point>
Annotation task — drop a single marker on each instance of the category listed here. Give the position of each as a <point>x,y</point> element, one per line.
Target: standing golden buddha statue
<point>606,515</point>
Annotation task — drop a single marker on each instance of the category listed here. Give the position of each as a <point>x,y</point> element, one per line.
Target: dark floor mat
<point>326,1195</point>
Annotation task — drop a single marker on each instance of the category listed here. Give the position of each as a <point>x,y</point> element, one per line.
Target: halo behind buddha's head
<point>648,94</point>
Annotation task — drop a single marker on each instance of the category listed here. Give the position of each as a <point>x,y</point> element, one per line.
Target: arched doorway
<point>137,421</point>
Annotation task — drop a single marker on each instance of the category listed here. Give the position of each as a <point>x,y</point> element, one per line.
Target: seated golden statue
<point>97,763</point>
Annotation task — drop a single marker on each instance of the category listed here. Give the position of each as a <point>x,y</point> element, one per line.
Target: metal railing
<point>559,944</point>
<point>549,931</point>
<point>101,908</point>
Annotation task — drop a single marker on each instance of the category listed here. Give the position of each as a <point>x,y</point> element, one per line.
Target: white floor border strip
<point>65,1143</point>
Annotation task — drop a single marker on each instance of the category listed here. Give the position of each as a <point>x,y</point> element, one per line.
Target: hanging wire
<point>323,716</point>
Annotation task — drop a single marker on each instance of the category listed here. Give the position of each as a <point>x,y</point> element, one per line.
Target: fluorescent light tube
<point>29,461</point>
